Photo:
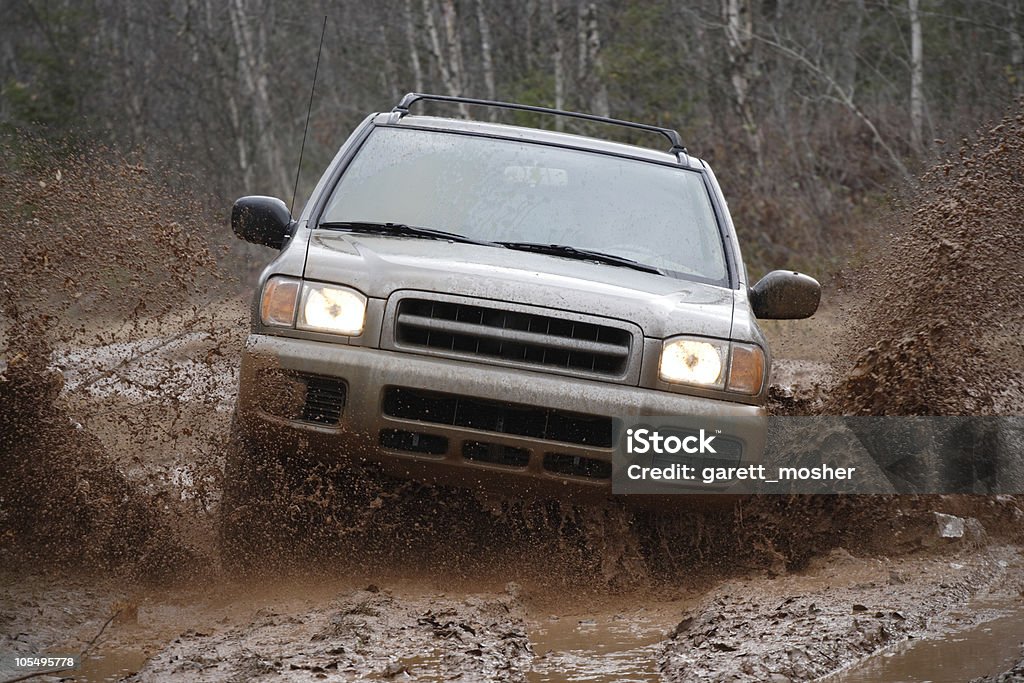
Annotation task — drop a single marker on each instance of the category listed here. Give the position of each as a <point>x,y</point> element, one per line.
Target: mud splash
<point>103,249</point>
<point>939,315</point>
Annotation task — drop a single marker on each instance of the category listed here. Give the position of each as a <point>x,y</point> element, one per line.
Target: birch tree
<point>916,77</point>
<point>447,57</point>
<point>590,63</point>
<point>253,71</point>
<point>558,61</point>
<point>486,55</point>
<point>412,46</point>
<point>1016,12</point>
<point>738,18</point>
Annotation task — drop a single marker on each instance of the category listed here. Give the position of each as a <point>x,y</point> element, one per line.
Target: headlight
<point>327,308</point>
<point>693,361</point>
<point>703,363</point>
<point>280,297</point>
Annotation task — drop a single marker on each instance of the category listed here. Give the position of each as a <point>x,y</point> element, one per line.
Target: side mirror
<point>261,220</point>
<point>785,295</point>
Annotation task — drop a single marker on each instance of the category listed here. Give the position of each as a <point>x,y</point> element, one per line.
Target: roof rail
<point>402,108</point>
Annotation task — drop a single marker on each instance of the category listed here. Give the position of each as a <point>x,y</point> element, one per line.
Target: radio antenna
<point>309,110</point>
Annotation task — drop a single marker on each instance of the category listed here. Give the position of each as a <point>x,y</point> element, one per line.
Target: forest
<point>814,113</point>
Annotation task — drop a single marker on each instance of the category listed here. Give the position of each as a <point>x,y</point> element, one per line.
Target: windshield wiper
<point>403,230</point>
<point>582,254</point>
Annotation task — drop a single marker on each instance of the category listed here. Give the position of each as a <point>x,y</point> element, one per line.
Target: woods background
<point>811,112</point>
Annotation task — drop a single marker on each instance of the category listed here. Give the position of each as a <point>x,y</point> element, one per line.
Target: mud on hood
<point>380,265</point>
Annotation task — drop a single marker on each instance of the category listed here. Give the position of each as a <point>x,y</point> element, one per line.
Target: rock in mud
<point>949,526</point>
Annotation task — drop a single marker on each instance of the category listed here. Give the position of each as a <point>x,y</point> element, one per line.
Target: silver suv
<point>475,303</point>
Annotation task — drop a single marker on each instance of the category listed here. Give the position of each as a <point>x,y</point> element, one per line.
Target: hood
<point>379,265</point>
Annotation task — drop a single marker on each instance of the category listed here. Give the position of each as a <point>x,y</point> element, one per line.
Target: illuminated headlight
<point>329,308</point>
<point>714,364</point>
<point>700,362</point>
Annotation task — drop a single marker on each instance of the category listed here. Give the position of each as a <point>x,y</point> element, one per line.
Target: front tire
<point>253,518</point>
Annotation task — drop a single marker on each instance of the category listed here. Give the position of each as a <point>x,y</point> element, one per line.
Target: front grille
<point>728,452</point>
<point>413,442</point>
<point>577,466</point>
<point>325,399</point>
<point>462,329</point>
<point>495,454</point>
<point>495,416</point>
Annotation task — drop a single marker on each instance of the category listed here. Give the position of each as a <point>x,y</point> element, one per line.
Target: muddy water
<point>609,648</point>
<point>603,648</point>
<point>110,666</point>
<point>613,643</point>
<point>986,649</point>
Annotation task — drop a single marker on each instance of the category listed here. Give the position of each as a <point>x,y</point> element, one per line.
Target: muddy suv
<point>474,303</point>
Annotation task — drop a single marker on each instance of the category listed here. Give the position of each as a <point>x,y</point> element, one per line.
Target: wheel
<point>286,511</point>
<point>253,528</point>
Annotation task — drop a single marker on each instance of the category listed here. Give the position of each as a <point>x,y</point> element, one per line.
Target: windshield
<point>512,191</point>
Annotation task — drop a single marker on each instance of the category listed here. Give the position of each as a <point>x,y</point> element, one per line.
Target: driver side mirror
<point>262,220</point>
<point>785,295</point>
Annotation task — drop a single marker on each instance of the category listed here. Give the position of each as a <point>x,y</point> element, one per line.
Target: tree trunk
<point>255,79</point>
<point>449,61</point>
<point>850,41</point>
<point>558,63</point>
<point>1016,46</point>
<point>414,53</point>
<point>739,38</point>
<point>486,56</point>
<point>390,72</point>
<point>916,77</point>
<point>591,65</point>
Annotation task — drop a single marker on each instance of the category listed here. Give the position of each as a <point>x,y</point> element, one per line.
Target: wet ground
<point>840,612</point>
<point>939,619</point>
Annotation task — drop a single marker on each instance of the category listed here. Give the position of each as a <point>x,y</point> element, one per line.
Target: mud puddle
<point>112,666</point>
<point>604,648</point>
<point>610,647</point>
<point>611,641</point>
<point>987,648</point>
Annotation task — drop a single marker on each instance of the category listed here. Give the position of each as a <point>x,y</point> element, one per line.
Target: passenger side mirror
<point>262,220</point>
<point>785,295</point>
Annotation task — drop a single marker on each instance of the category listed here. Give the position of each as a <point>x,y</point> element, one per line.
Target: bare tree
<point>738,17</point>
<point>253,71</point>
<point>1013,29</point>
<point>590,63</point>
<point>916,76</point>
<point>486,56</point>
<point>558,61</point>
<point>411,45</point>
<point>449,58</point>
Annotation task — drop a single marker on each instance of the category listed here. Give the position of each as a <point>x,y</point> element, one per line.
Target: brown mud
<point>119,344</point>
<point>936,327</point>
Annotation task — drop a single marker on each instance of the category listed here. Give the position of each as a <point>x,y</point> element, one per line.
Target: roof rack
<point>402,108</point>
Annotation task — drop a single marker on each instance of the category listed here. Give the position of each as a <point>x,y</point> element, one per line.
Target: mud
<point>119,346</point>
<point>936,308</point>
<point>803,627</point>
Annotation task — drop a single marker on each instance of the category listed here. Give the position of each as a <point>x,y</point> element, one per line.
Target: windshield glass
<point>512,191</point>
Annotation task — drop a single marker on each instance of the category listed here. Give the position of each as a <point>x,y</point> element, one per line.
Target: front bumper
<point>447,421</point>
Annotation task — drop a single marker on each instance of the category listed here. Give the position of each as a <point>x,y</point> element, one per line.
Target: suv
<point>475,303</point>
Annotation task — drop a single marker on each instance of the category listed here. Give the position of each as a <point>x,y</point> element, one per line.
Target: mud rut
<point>117,378</point>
